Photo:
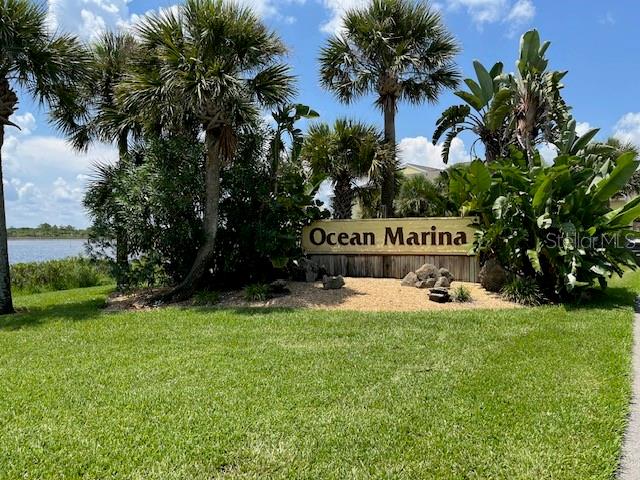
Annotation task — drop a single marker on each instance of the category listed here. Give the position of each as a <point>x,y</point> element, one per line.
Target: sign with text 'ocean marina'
<point>390,236</point>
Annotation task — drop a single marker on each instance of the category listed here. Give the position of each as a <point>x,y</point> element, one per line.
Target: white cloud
<point>30,164</point>
<point>26,122</point>
<point>548,152</point>
<point>337,9</point>
<point>627,129</point>
<point>484,12</point>
<point>89,18</point>
<point>582,128</point>
<point>421,151</point>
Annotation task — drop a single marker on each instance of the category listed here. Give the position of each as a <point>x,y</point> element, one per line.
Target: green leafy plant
<point>461,294</point>
<point>524,291</point>
<point>64,274</point>
<point>552,223</point>
<point>257,292</point>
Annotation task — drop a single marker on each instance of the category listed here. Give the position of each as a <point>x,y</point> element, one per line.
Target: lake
<point>40,249</point>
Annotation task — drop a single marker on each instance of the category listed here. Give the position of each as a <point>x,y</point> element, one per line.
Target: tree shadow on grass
<point>28,317</point>
<point>611,298</point>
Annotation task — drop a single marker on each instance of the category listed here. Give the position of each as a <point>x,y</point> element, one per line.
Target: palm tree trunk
<point>342,202</point>
<point>212,199</point>
<point>6,302</point>
<point>388,181</point>
<point>122,241</point>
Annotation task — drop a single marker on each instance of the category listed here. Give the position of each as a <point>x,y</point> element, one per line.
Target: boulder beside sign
<point>391,236</point>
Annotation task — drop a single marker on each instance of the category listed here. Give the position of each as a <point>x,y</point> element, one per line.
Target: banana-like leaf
<point>486,82</point>
<point>446,146</point>
<point>583,141</point>
<point>474,87</point>
<point>475,102</point>
<point>496,70</point>
<point>499,206</point>
<point>624,215</point>
<point>626,165</point>
<point>450,118</point>
<point>499,109</point>
<point>535,260</point>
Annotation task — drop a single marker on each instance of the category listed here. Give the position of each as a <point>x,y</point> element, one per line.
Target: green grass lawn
<point>202,394</point>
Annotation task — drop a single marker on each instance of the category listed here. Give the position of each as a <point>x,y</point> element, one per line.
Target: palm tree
<point>47,66</point>
<point>491,101</point>
<point>343,154</point>
<point>286,117</point>
<point>420,197</point>
<point>400,51</point>
<point>103,118</point>
<point>219,63</point>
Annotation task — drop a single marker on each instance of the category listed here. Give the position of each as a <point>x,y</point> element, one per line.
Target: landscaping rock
<point>424,283</point>
<point>428,270</point>
<point>310,269</point>
<point>492,275</point>
<point>442,282</point>
<point>431,282</point>
<point>440,295</point>
<point>443,272</point>
<point>332,283</point>
<point>409,280</point>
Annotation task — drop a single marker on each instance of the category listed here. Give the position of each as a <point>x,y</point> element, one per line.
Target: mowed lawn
<point>203,394</point>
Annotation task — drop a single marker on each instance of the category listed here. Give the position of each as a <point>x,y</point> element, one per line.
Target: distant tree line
<point>45,230</point>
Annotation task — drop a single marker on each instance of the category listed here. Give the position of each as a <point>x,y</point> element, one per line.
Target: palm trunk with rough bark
<point>388,193</point>
<point>206,252</point>
<point>8,102</point>
<point>342,202</point>
<point>6,301</point>
<point>122,242</point>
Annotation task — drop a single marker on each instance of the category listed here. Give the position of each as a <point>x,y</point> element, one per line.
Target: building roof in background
<point>410,169</point>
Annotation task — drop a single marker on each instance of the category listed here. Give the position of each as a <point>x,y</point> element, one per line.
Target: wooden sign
<point>391,236</point>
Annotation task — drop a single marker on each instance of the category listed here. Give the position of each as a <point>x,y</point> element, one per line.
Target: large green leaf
<point>535,260</point>
<point>496,70</point>
<point>584,140</point>
<point>474,87</point>
<point>450,118</point>
<point>446,145</point>
<point>624,215</point>
<point>499,109</point>
<point>475,102</point>
<point>486,82</point>
<point>480,176</point>
<point>626,165</point>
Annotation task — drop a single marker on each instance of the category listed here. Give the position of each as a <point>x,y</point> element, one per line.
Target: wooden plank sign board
<point>390,236</point>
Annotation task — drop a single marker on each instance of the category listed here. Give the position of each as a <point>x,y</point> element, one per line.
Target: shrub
<point>74,272</point>
<point>257,292</point>
<point>524,291</point>
<point>461,294</point>
<point>552,223</point>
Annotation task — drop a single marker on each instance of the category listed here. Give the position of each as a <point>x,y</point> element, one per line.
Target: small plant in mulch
<point>257,292</point>
<point>524,291</point>
<point>461,294</point>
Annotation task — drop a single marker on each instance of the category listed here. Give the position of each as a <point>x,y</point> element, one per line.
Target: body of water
<point>40,249</point>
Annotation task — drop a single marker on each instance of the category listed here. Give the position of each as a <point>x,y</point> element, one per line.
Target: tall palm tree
<point>420,197</point>
<point>102,117</point>
<point>343,154</point>
<point>396,49</point>
<point>44,65</point>
<point>218,62</point>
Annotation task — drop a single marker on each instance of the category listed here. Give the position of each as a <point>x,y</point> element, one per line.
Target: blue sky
<point>596,41</point>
